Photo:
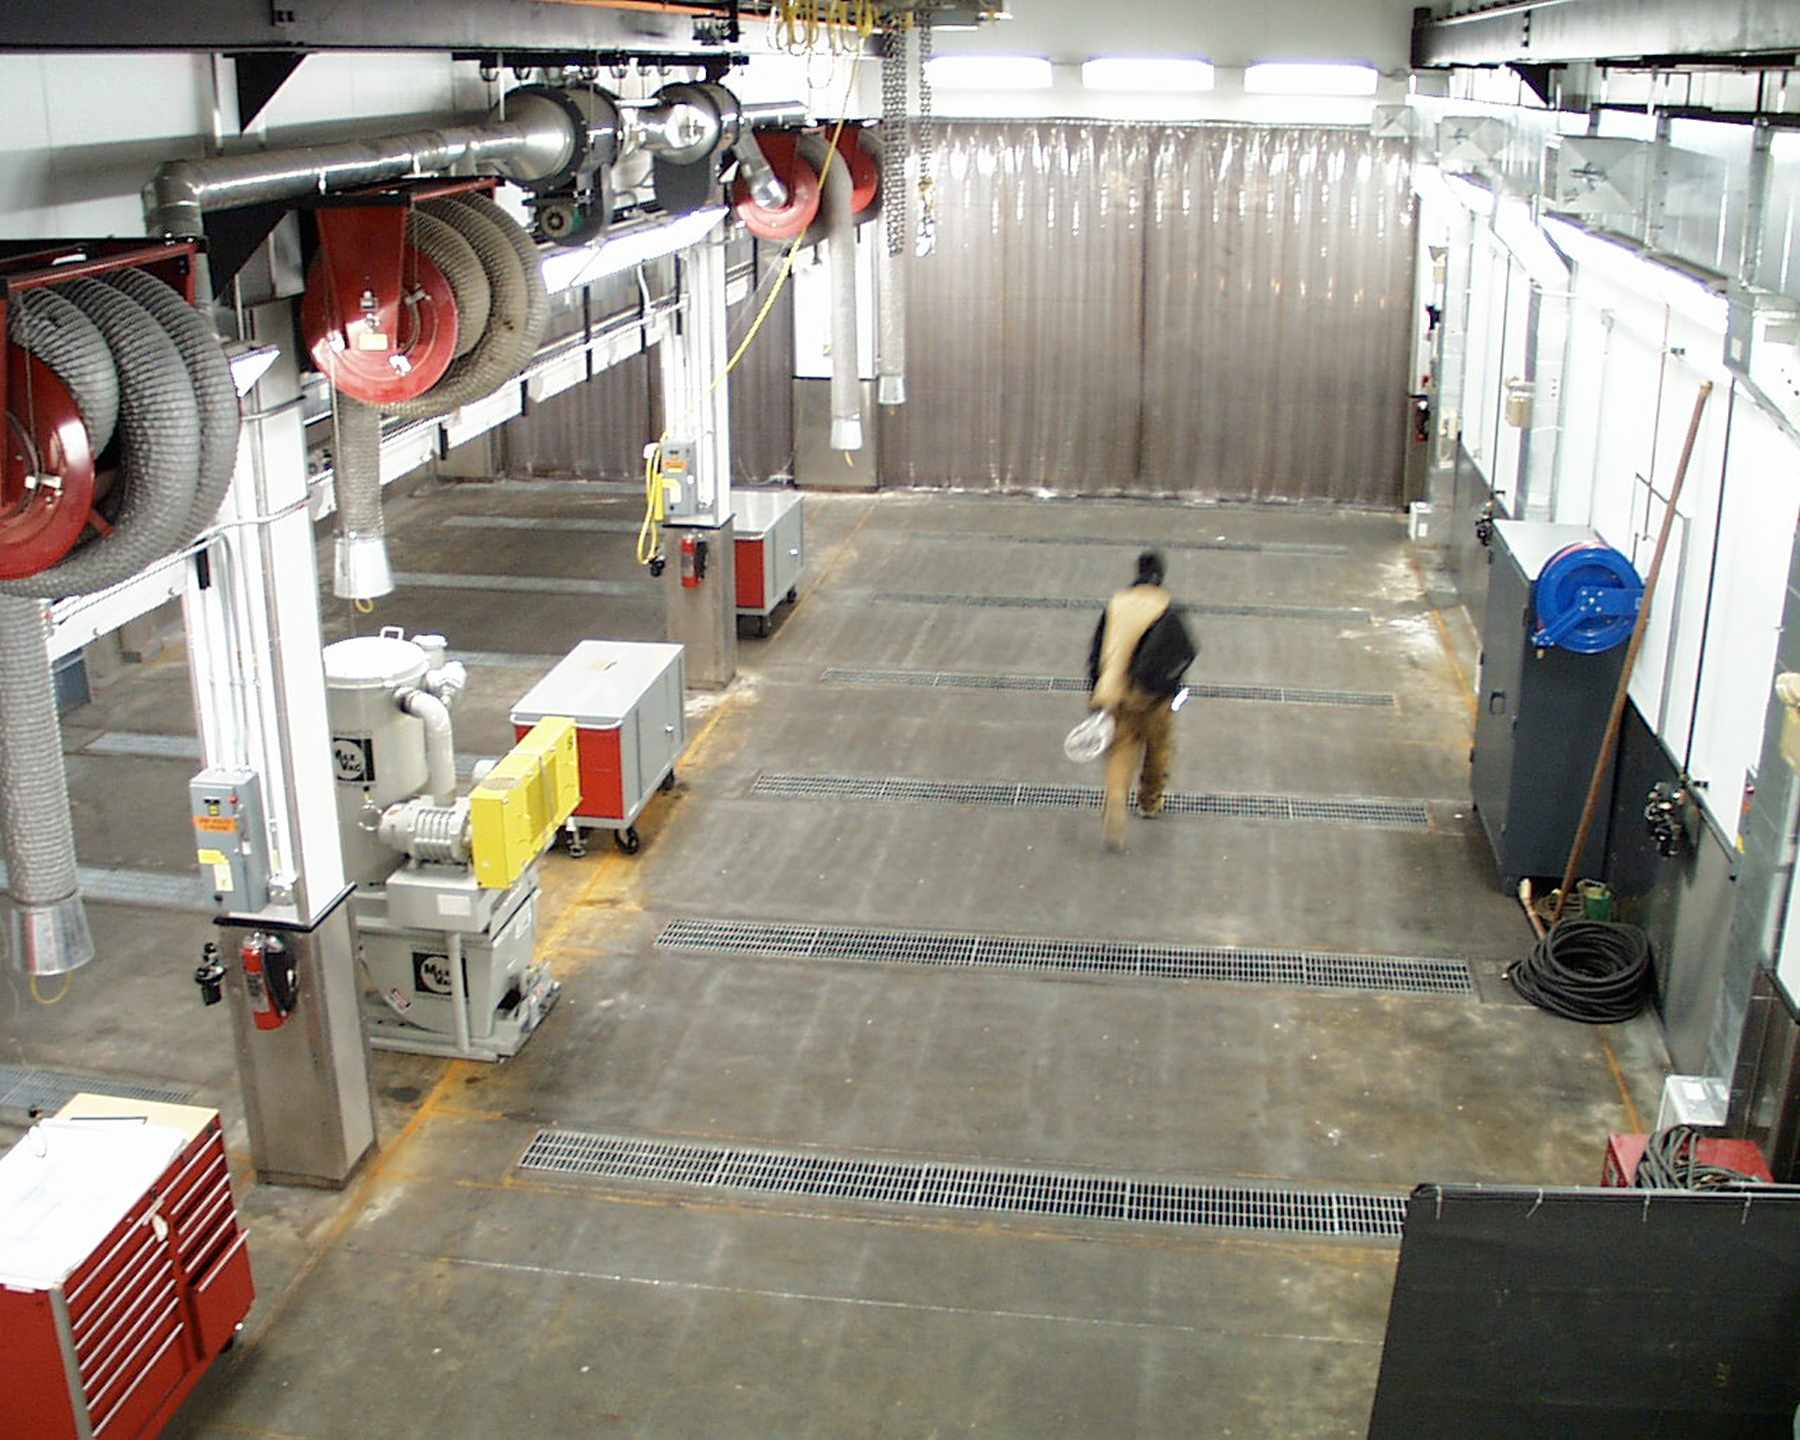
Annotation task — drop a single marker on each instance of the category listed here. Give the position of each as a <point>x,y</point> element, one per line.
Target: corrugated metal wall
<point>1209,310</point>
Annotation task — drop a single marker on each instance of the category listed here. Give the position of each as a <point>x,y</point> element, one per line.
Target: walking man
<point>1140,652</point>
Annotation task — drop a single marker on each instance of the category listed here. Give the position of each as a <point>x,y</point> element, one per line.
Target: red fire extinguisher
<point>693,562</point>
<point>270,977</point>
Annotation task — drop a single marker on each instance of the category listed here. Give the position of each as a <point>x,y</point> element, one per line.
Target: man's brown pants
<point>1141,746</point>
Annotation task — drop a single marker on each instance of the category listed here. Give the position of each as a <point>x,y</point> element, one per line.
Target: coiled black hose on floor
<point>1593,971</point>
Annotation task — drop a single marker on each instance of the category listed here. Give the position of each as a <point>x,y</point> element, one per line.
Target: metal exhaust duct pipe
<point>838,228</point>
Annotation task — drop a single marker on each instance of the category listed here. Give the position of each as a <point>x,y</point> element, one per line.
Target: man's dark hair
<point>1150,568</point>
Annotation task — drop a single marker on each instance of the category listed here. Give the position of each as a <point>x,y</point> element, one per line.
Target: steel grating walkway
<point>42,1092</point>
<point>602,1156</point>
<point>1339,614</point>
<point>1409,814</point>
<point>950,680</point>
<point>1327,970</point>
<point>1247,547</point>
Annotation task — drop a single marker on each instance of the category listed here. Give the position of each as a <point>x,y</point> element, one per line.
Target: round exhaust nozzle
<point>50,939</point>
<point>360,569</point>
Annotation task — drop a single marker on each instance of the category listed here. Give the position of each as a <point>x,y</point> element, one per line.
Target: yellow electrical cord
<point>68,983</point>
<point>649,542</point>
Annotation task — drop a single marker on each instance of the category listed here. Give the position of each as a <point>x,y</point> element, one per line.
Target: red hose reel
<point>47,477</point>
<point>378,316</point>
<point>50,478</point>
<point>781,149</point>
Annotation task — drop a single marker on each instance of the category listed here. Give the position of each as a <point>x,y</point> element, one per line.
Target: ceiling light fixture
<point>989,72</point>
<point>1164,73</point>
<point>1280,77</point>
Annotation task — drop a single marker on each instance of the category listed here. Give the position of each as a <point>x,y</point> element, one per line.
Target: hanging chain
<point>927,141</point>
<point>894,205</point>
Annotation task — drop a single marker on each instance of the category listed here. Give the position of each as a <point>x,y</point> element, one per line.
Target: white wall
<point>1641,339</point>
<point>1230,33</point>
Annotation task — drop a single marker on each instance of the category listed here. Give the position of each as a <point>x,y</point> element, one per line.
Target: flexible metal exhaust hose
<point>44,324</point>
<point>356,467</point>
<point>445,247</point>
<point>215,392</point>
<point>506,342</point>
<point>531,263</point>
<point>838,227</point>
<point>159,426</point>
<point>34,793</point>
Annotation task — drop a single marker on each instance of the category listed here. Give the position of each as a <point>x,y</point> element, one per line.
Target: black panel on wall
<point>1592,1314</point>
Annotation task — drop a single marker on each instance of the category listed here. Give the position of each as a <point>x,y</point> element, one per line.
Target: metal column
<point>252,609</point>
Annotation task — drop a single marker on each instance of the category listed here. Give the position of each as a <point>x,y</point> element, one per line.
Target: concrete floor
<point>446,1293</point>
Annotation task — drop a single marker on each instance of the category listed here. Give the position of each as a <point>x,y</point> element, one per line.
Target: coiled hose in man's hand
<point>1592,971</point>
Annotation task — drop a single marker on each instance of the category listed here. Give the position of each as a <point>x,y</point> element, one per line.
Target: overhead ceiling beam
<point>1671,32</point>
<point>524,27</point>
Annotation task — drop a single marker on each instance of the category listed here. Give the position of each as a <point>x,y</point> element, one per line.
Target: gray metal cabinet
<point>1540,717</point>
<point>627,702</point>
<point>771,550</point>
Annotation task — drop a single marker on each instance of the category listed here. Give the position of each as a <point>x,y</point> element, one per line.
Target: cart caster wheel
<point>762,625</point>
<point>667,782</point>
<point>577,845</point>
<point>793,594</point>
<point>628,840</point>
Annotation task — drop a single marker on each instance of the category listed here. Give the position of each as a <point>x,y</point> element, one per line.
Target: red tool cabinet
<point>123,1268</point>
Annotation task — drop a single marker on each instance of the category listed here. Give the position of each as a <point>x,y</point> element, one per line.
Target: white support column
<point>255,643</point>
<point>702,616</point>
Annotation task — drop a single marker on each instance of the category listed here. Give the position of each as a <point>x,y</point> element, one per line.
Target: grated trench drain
<point>1338,614</point>
<point>47,1091</point>
<point>1410,814</point>
<point>948,680</point>
<point>964,1187</point>
<point>1249,547</point>
<point>1329,970</point>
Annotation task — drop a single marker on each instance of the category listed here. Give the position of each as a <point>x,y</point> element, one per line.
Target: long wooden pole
<point>1613,722</point>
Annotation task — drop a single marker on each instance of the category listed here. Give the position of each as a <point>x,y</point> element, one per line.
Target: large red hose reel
<point>782,150</point>
<point>379,317</point>
<point>51,481</point>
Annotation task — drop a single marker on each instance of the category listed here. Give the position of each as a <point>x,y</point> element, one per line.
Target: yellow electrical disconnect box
<point>514,812</point>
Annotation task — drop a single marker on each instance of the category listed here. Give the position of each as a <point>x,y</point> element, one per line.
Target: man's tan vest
<point>1129,614</point>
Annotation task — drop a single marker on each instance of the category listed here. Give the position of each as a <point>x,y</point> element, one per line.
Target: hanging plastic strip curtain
<point>1217,311</point>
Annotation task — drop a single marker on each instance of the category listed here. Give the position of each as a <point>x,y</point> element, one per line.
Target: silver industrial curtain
<point>1209,310</point>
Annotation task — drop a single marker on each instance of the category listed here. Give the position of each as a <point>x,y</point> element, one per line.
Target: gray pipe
<point>838,228</point>
<point>537,143</point>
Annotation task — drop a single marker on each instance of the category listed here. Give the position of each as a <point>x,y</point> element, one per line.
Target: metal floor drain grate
<point>1329,970</point>
<point>547,523</point>
<point>1249,547</point>
<point>46,1091</point>
<point>1338,614</point>
<point>523,584</point>
<point>600,1156</point>
<point>950,680</point>
<point>1411,814</point>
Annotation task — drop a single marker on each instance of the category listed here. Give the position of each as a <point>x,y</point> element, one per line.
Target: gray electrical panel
<point>1540,717</point>
<point>230,838</point>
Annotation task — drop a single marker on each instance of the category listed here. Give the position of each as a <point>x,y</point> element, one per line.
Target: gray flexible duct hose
<point>360,570</point>
<point>159,423</point>
<point>44,324</point>
<point>537,298</point>
<point>838,226</point>
<point>49,931</point>
<point>444,246</point>
<point>215,392</point>
<point>494,358</point>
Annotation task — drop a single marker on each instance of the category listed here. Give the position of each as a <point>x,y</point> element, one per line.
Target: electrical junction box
<point>1468,144</point>
<point>681,490</point>
<point>230,839</point>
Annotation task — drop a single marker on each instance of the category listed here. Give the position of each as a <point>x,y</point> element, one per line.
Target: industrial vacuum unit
<point>446,887</point>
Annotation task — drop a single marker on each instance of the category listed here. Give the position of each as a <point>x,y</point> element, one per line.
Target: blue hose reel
<point>1586,598</point>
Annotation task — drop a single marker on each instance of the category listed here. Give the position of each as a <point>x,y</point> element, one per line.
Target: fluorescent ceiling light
<point>627,245</point>
<point>989,72</point>
<point>1158,72</point>
<point>1280,77</point>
